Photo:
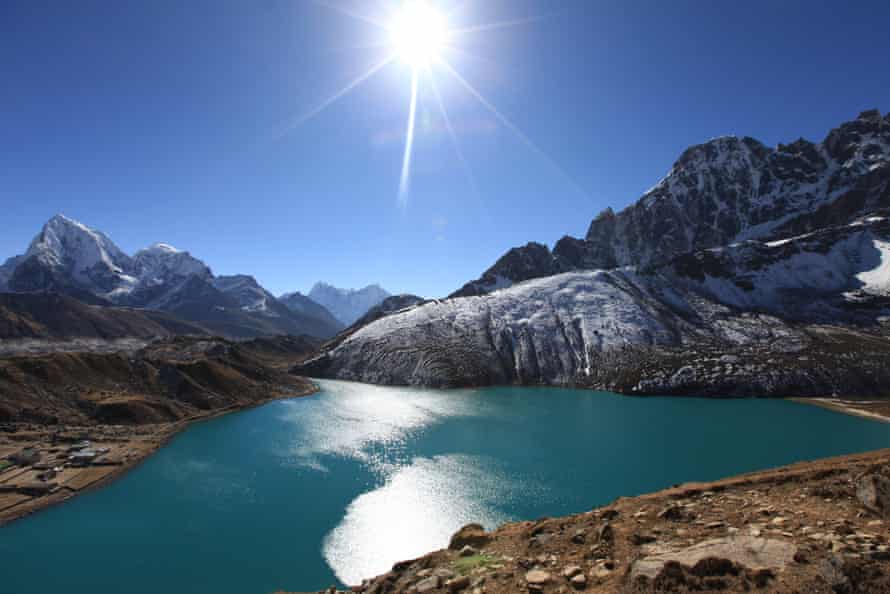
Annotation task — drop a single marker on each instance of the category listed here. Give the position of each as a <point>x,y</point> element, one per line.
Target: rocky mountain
<point>57,317</point>
<point>297,302</point>
<point>390,305</point>
<point>723,191</point>
<point>347,305</point>
<point>801,309</point>
<point>72,259</point>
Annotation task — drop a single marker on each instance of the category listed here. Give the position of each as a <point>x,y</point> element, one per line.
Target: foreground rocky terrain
<point>746,271</point>
<point>820,527</point>
<point>73,420</point>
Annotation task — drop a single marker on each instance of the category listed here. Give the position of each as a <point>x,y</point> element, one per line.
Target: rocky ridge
<point>724,191</point>
<point>820,527</point>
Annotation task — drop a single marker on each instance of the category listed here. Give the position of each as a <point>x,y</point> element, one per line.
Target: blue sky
<point>168,121</point>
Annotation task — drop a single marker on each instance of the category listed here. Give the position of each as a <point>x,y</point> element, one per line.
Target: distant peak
<point>59,217</point>
<point>60,220</point>
<point>164,247</point>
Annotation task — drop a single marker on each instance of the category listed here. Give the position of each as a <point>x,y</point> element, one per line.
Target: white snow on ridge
<point>64,242</point>
<point>588,301</point>
<point>877,280</point>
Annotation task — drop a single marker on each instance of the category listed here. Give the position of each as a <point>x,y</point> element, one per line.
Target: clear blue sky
<point>161,121</point>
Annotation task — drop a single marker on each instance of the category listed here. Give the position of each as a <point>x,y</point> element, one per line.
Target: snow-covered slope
<point>161,262</point>
<point>249,294</point>
<point>747,319</point>
<point>66,252</point>
<point>827,275</point>
<point>347,305</point>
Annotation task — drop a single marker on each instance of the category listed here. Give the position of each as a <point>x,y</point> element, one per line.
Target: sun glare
<point>419,33</point>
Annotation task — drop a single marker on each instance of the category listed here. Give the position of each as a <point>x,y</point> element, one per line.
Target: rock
<point>579,536</point>
<point>831,570</point>
<point>873,491</point>
<point>458,583</point>
<point>537,577</point>
<point>754,553</point>
<point>603,569</point>
<point>609,514</point>
<point>673,513</point>
<point>571,571</point>
<point>428,584</point>
<point>579,581</point>
<point>467,551</point>
<point>605,534</point>
<point>473,535</point>
<point>638,539</point>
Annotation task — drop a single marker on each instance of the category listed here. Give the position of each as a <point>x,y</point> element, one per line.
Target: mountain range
<point>746,270</point>
<point>69,258</point>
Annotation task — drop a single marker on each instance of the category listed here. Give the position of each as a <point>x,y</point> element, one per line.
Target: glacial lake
<point>304,493</point>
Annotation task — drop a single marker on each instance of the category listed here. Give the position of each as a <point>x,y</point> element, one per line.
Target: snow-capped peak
<point>89,256</point>
<point>165,248</point>
<point>162,262</point>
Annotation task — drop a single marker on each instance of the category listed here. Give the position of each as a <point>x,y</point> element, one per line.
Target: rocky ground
<point>119,407</point>
<point>813,527</point>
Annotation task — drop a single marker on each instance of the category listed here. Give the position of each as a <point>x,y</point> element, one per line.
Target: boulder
<point>428,584</point>
<point>748,551</point>
<point>473,535</point>
<point>537,577</point>
<point>873,491</point>
<point>459,583</point>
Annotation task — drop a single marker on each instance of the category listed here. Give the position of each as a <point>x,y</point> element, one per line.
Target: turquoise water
<point>300,494</point>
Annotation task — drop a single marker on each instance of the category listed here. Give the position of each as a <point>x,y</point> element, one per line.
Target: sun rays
<point>418,34</point>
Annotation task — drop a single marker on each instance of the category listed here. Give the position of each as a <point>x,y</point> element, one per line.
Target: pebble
<point>537,577</point>
<point>571,571</point>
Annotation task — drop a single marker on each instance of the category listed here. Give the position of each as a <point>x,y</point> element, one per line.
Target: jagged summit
<point>725,190</point>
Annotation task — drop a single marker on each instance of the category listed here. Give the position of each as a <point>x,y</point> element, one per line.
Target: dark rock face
<point>533,260</point>
<point>726,190</point>
<point>392,304</point>
<point>301,304</point>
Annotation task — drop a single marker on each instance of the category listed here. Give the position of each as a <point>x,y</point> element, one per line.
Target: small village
<point>39,468</point>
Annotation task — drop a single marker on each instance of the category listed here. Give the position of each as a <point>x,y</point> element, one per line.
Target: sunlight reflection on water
<point>421,501</point>
<point>415,512</point>
<point>358,421</point>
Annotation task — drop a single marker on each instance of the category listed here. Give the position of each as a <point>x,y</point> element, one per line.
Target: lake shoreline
<point>145,445</point>
<point>876,410</point>
<point>670,539</point>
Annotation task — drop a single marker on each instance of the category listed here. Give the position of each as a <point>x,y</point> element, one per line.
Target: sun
<point>419,33</point>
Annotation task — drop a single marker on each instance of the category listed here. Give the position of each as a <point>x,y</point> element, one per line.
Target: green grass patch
<point>4,464</point>
<point>465,565</point>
